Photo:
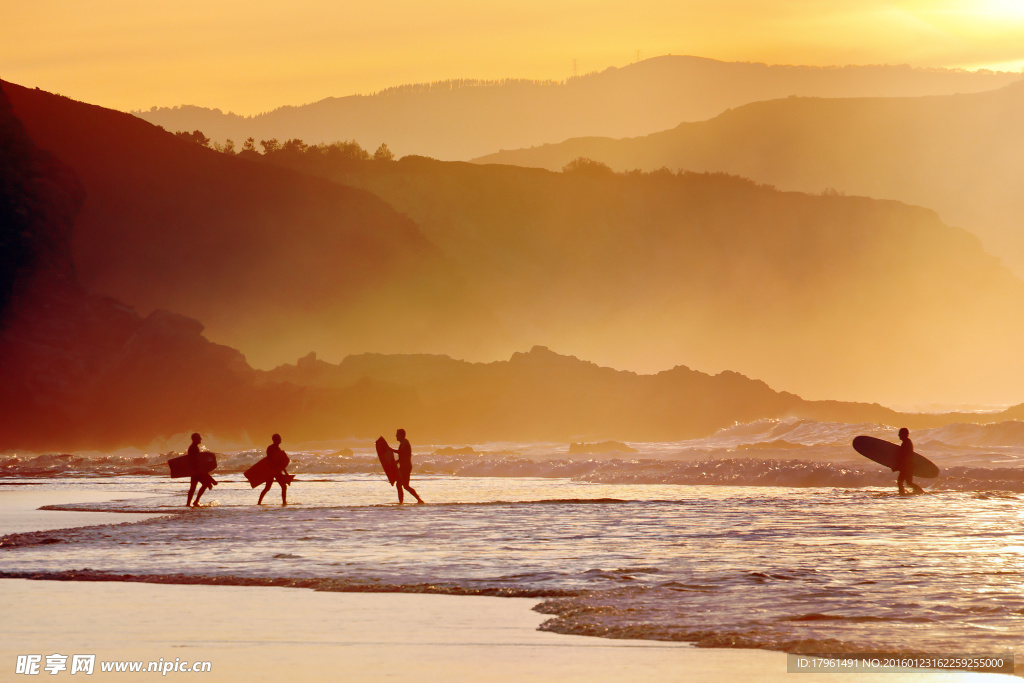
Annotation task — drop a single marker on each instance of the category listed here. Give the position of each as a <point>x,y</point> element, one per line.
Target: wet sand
<point>280,634</point>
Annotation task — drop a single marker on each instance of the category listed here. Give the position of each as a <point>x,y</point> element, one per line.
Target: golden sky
<point>249,56</point>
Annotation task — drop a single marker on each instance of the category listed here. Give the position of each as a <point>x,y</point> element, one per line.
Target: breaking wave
<point>796,453</point>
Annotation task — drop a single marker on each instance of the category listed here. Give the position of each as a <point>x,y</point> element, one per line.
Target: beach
<point>268,633</point>
<point>271,634</point>
<point>645,336</point>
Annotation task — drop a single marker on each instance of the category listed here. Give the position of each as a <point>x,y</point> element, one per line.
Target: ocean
<point>773,534</point>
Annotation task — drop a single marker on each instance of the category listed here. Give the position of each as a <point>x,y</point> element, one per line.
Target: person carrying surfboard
<point>279,461</point>
<point>198,477</point>
<point>404,453</point>
<point>906,463</point>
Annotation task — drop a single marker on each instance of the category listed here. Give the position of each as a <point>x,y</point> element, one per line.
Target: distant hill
<point>82,371</point>
<point>85,371</point>
<point>274,262</point>
<point>825,296</point>
<point>541,395</point>
<point>962,155</point>
<point>79,369</point>
<point>462,119</point>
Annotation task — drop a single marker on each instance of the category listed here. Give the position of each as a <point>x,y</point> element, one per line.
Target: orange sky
<point>253,55</point>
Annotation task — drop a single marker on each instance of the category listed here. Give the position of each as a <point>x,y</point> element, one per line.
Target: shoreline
<point>264,633</point>
<point>327,636</point>
<point>272,634</point>
<point>260,633</point>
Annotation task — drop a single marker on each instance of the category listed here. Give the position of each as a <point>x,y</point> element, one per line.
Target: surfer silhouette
<point>906,463</point>
<point>404,453</point>
<point>198,477</point>
<point>279,461</point>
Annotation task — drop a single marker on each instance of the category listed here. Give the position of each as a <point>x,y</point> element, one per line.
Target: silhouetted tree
<point>345,150</point>
<point>294,146</point>
<point>195,136</point>
<point>317,159</point>
<point>383,153</point>
<point>585,166</point>
<point>249,150</point>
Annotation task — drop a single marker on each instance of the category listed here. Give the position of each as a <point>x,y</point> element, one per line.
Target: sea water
<point>677,541</point>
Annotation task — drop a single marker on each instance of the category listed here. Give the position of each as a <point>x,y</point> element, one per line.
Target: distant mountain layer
<point>962,155</point>
<point>464,119</point>
<point>821,295</point>
<point>84,371</point>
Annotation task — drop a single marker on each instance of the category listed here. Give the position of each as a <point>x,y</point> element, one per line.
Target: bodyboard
<point>387,460</point>
<point>181,466</point>
<point>264,471</point>
<point>887,453</point>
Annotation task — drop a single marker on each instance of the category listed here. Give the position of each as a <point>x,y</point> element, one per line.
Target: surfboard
<point>264,471</point>
<point>887,453</point>
<point>182,466</point>
<point>387,460</point>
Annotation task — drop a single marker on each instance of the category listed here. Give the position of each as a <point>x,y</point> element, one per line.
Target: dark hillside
<point>275,262</point>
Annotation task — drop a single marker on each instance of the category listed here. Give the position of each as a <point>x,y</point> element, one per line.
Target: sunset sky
<point>253,55</point>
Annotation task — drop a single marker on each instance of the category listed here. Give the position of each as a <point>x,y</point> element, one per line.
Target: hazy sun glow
<point>1007,9</point>
<point>254,56</point>
<point>1014,65</point>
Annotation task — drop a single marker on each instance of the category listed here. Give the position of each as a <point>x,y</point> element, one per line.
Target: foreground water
<point>794,569</point>
<point>815,568</point>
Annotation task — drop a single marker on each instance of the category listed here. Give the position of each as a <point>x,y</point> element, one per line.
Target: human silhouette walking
<point>404,453</point>
<point>198,477</point>
<point>905,463</point>
<point>279,461</point>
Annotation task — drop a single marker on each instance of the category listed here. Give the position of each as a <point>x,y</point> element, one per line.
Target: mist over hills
<point>462,119</point>
<point>82,370</point>
<point>85,371</point>
<point>822,296</point>
<point>962,155</point>
<point>542,395</point>
<point>274,262</point>
<point>825,296</point>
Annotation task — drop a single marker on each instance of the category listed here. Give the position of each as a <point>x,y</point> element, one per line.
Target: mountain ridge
<point>467,121</point>
<point>960,155</point>
<point>641,270</point>
<point>696,265</point>
<point>83,371</point>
